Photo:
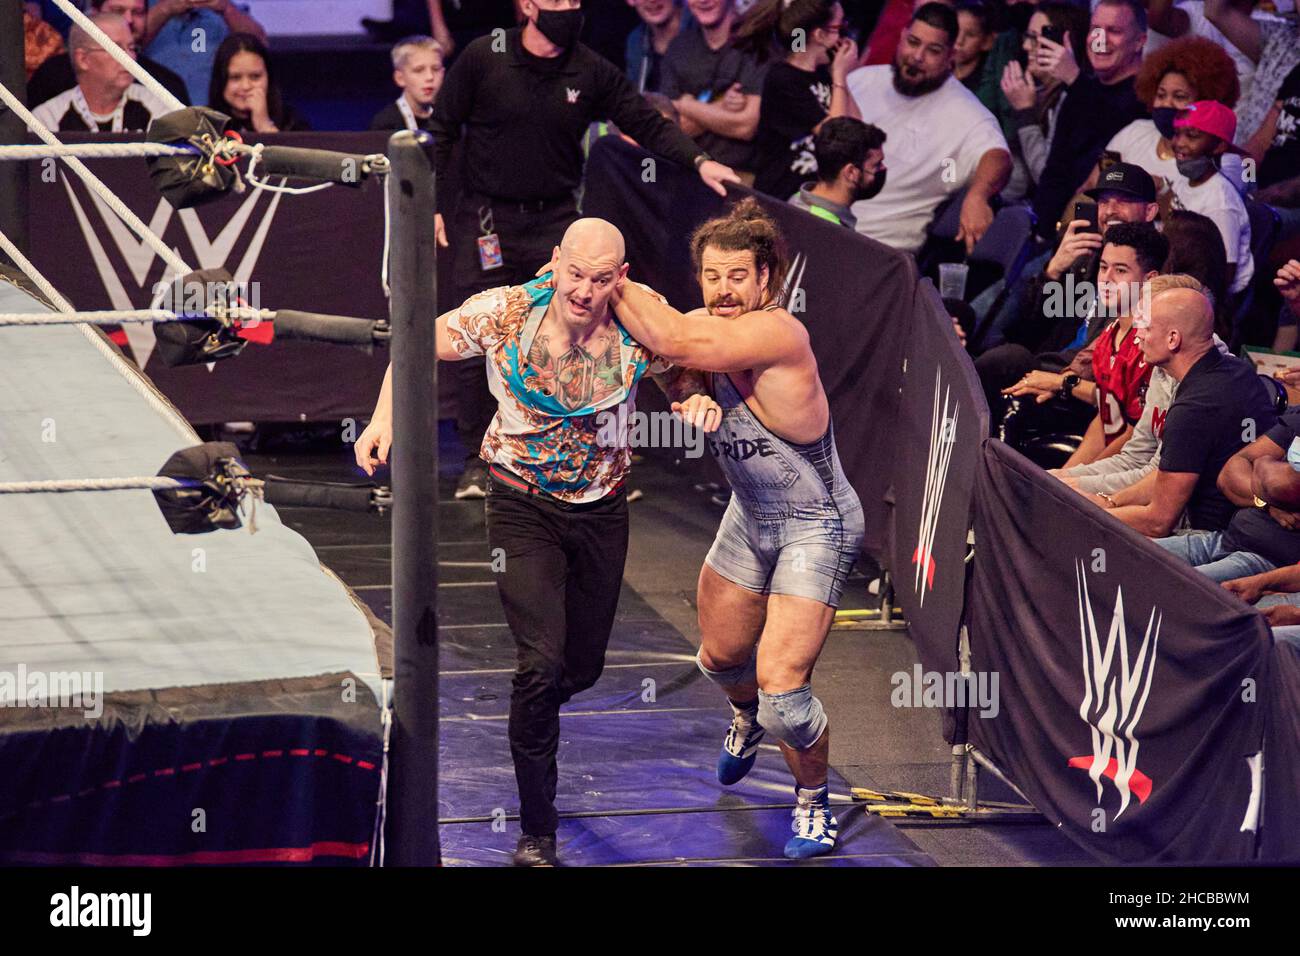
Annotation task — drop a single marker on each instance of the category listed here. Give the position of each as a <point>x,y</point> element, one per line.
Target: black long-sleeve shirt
<point>1090,115</point>
<point>524,118</point>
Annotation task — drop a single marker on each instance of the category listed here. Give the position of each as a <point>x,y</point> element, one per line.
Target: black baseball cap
<point>1125,178</point>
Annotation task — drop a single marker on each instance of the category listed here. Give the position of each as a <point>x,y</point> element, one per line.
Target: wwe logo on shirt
<point>943,437</point>
<point>1115,694</point>
<point>572,94</point>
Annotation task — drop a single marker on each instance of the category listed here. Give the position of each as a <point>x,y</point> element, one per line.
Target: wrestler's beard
<point>916,87</point>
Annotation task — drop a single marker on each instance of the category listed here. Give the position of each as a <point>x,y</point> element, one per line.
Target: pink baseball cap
<point>1210,116</point>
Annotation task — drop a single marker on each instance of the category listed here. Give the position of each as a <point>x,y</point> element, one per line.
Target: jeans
<point>563,567</point>
<point>1205,551</point>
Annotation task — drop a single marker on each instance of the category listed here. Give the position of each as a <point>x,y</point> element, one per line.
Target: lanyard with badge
<point>90,119</point>
<point>408,114</point>
<point>489,243</point>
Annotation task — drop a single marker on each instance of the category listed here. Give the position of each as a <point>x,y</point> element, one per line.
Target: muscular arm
<point>1170,493</point>
<point>704,341</point>
<point>1235,478</point>
<point>716,118</point>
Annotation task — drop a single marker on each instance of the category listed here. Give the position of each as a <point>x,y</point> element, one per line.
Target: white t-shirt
<point>933,144</point>
<point>1137,142</point>
<point>1219,199</point>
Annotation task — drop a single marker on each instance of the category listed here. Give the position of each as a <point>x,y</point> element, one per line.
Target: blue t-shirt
<point>187,45</point>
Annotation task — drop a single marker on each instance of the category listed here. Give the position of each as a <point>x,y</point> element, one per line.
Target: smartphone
<point>1088,211</point>
<point>1055,34</point>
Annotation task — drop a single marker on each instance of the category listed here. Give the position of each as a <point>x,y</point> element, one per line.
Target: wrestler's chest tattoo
<point>577,376</point>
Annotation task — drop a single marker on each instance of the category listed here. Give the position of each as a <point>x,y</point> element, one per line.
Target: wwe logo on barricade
<point>1115,693</point>
<point>791,292</point>
<point>138,258</point>
<point>943,437</point>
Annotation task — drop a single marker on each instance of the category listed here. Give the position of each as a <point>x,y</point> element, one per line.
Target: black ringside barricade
<point>1132,689</point>
<point>1142,728</point>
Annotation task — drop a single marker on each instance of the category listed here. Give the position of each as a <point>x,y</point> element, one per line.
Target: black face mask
<point>561,27</point>
<point>1163,117</point>
<point>868,192</point>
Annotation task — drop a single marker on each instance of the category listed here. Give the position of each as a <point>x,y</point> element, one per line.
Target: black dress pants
<point>563,567</point>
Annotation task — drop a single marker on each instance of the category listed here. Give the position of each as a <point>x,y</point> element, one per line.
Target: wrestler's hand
<point>371,449</point>
<point>701,411</point>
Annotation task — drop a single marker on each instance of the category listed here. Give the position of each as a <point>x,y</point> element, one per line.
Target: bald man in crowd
<point>564,375</point>
<point>1221,407</point>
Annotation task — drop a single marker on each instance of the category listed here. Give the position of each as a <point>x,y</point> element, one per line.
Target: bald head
<point>593,239</point>
<point>1186,311</point>
<point>590,265</point>
<point>1180,329</point>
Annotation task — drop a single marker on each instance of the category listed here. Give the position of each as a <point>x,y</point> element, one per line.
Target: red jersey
<point>1121,375</point>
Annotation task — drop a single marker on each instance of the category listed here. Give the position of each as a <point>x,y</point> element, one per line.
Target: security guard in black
<point>525,116</point>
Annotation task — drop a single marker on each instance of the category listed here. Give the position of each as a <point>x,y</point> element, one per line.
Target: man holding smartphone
<point>170,30</point>
<point>1050,330</point>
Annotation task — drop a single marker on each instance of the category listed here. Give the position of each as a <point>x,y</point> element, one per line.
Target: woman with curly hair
<point>1174,77</point>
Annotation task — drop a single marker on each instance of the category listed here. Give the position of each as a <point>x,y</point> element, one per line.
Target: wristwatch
<point>1068,383</point>
<point>1259,502</point>
<point>701,159</point>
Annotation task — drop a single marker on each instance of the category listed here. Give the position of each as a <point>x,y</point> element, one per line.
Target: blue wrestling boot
<point>814,827</point>
<point>740,748</point>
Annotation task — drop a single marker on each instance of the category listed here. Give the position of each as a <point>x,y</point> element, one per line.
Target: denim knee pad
<point>795,718</point>
<point>746,673</point>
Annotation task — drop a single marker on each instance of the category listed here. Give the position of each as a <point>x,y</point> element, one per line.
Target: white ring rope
<point>121,56</point>
<point>118,316</point>
<point>94,183</point>
<point>95,151</point>
<point>93,484</point>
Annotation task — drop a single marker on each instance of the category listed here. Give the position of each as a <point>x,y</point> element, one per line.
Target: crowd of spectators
<point>1154,145</point>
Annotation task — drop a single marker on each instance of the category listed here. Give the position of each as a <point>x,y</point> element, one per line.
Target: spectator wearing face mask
<point>850,168</point>
<point>1171,79</point>
<point>801,90</point>
<point>1202,135</point>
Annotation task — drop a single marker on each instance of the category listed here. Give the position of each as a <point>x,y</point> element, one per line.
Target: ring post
<point>13,176</point>
<point>411,837</point>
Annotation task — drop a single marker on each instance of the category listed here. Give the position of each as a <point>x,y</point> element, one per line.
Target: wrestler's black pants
<point>559,587</point>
